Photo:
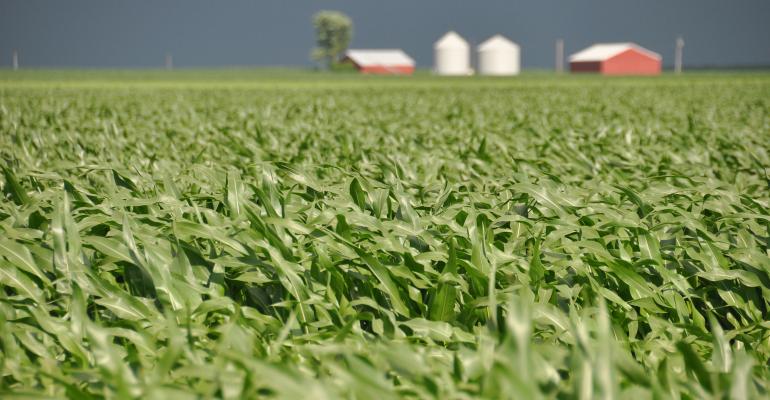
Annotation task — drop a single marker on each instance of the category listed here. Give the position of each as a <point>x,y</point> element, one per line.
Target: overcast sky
<point>138,33</point>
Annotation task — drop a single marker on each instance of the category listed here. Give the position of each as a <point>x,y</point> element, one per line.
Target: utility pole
<point>169,61</point>
<point>559,56</point>
<point>678,55</point>
<point>15,58</point>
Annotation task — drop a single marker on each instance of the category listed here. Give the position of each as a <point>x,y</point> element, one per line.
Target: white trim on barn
<point>605,51</point>
<point>379,57</point>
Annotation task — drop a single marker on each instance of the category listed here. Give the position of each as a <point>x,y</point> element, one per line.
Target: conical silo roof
<point>451,40</point>
<point>497,42</point>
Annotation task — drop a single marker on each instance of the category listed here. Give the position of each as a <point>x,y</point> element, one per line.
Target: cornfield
<point>184,235</point>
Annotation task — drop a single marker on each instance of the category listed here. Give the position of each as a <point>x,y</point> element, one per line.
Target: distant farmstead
<point>616,59</point>
<point>380,61</point>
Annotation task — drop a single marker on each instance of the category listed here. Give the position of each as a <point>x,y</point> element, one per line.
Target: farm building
<point>452,55</point>
<point>499,56</point>
<point>380,61</point>
<point>616,59</point>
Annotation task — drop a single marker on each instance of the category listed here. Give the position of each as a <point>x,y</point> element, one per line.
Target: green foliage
<point>343,67</point>
<point>333,30</point>
<point>378,238</point>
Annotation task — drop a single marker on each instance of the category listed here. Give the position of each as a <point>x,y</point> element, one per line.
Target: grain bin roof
<point>374,57</point>
<point>451,40</point>
<point>497,42</point>
<point>604,51</point>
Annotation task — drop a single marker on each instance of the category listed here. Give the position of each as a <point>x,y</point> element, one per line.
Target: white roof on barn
<point>498,42</point>
<point>375,57</point>
<point>451,40</point>
<point>604,51</point>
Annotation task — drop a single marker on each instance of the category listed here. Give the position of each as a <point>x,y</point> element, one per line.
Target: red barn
<point>380,61</point>
<point>616,59</point>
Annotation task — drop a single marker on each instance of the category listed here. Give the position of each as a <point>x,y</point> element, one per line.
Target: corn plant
<point>179,236</point>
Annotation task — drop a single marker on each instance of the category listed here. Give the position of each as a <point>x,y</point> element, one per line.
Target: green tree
<point>333,33</point>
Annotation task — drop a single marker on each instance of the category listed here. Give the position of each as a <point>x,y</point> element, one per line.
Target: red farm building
<point>380,61</point>
<point>616,59</point>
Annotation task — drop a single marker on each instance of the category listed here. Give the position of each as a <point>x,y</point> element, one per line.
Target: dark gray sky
<point>108,33</point>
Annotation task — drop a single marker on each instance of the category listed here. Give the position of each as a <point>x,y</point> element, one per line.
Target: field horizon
<point>280,74</point>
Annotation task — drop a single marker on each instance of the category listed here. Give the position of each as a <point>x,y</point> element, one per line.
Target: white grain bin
<point>452,55</point>
<point>499,56</point>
